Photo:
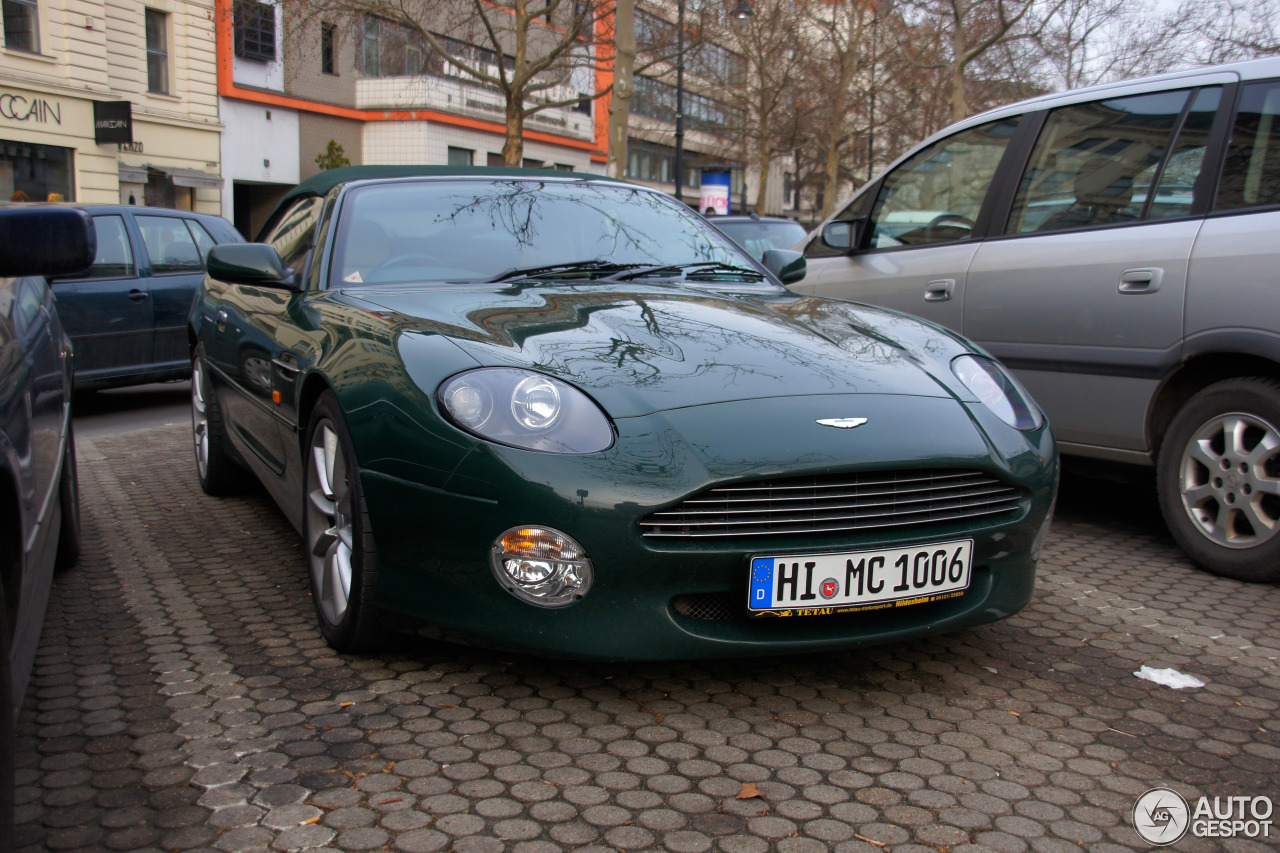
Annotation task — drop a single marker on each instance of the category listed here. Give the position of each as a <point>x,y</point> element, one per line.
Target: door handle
<point>138,295</point>
<point>940,290</point>
<point>1145,280</point>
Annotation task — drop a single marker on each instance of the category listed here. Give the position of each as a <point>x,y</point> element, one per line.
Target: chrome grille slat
<point>809,494</point>
<point>973,491</point>
<point>834,503</point>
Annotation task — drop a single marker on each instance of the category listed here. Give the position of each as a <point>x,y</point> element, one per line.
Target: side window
<point>1251,171</point>
<point>292,234</point>
<point>203,241</point>
<point>27,308</point>
<point>1176,192</point>
<point>115,256</point>
<point>816,248</point>
<point>169,245</point>
<point>935,196</point>
<point>1094,163</point>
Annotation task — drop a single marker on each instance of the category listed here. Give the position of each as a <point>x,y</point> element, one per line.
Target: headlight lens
<point>542,566</point>
<point>998,391</point>
<point>525,409</point>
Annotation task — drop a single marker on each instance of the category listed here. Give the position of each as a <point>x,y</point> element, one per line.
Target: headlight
<point>998,391</point>
<point>525,409</point>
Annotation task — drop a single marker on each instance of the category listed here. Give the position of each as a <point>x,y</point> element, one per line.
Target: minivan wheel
<point>1218,479</point>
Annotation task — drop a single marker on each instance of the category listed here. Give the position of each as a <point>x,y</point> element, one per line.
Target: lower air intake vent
<point>712,607</point>
<point>835,503</point>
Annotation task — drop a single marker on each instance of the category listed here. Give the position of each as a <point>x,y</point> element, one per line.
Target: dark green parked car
<point>558,414</point>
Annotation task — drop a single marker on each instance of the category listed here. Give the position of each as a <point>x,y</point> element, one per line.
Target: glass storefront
<point>31,172</point>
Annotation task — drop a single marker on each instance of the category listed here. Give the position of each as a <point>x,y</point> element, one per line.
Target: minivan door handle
<point>1146,280</point>
<point>940,290</point>
<point>137,295</point>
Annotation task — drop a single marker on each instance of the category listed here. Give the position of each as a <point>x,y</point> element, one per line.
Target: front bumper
<point>656,598</point>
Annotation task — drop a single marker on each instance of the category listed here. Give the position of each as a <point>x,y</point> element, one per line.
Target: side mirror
<point>45,241</point>
<point>846,235</point>
<point>787,265</point>
<point>251,263</point>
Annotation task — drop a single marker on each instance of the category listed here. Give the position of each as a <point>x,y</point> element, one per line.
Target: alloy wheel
<point>329,527</point>
<point>1230,480</point>
<point>200,418</point>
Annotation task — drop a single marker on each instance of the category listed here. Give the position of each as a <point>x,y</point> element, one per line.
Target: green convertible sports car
<point>560,414</point>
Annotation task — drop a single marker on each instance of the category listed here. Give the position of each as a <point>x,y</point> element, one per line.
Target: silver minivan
<point>1119,248</point>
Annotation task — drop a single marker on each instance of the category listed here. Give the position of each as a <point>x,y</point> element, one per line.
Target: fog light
<point>541,566</point>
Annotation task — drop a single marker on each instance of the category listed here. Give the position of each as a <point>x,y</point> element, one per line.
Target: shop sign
<point>112,122</point>
<point>22,108</point>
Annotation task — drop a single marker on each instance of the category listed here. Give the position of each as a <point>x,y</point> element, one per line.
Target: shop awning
<point>191,177</point>
<point>133,174</point>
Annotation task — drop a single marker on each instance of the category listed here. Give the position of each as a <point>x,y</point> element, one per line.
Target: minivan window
<point>1094,163</point>
<point>1251,171</point>
<point>935,196</point>
<point>1176,193</point>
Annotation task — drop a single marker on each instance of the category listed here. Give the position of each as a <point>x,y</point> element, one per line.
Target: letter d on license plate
<point>846,581</point>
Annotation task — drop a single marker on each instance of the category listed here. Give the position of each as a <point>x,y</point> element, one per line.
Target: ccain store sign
<point>22,108</point>
<point>112,122</point>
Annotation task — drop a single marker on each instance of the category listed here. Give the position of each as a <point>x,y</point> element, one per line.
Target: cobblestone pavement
<point>183,700</point>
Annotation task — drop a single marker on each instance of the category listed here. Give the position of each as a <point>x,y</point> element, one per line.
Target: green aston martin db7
<point>560,414</point>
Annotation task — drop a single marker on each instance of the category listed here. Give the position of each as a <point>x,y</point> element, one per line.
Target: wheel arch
<point>313,386</point>
<point>1194,376</point>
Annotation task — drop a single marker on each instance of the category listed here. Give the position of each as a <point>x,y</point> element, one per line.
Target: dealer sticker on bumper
<point>815,584</point>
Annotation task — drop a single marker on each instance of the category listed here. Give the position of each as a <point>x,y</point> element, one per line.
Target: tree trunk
<point>513,148</point>
<point>765,152</point>
<point>959,106</point>
<point>624,60</point>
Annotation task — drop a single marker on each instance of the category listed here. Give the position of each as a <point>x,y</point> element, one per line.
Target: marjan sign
<point>22,108</point>
<point>112,122</point>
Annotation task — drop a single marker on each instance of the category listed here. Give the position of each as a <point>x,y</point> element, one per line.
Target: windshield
<point>757,237</point>
<point>415,231</point>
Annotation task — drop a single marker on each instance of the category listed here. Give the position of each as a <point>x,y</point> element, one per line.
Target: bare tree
<point>1213,31</point>
<point>758,80</point>
<point>974,31</point>
<point>531,51</point>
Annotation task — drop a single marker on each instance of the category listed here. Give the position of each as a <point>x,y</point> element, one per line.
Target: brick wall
<point>314,133</point>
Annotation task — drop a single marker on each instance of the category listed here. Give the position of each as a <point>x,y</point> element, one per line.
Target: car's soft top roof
<point>320,184</point>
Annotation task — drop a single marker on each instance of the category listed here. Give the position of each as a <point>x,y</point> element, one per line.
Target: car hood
<point>648,348</point>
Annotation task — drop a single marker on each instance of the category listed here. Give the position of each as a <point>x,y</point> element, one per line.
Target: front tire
<point>219,474</point>
<point>69,501</point>
<point>1218,479</point>
<point>341,555</point>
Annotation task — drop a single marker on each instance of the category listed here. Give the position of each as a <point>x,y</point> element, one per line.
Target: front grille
<point>835,503</point>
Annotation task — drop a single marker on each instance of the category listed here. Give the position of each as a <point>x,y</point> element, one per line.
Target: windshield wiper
<point>595,265</point>
<point>697,270</point>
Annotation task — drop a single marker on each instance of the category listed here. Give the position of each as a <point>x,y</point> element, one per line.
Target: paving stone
<point>182,700</point>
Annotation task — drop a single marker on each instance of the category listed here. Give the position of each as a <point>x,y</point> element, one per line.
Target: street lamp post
<point>741,13</point>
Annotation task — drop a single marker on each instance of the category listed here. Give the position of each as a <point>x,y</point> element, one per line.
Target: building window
<point>21,25</point>
<point>371,46</point>
<point>157,51</point>
<point>461,156</point>
<point>496,160</point>
<point>255,30</point>
<point>328,36</point>
<point>30,172</point>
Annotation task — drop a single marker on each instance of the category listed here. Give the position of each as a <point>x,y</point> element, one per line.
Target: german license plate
<point>818,584</point>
